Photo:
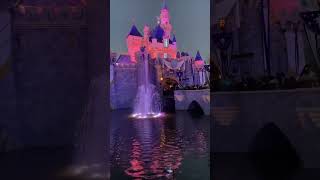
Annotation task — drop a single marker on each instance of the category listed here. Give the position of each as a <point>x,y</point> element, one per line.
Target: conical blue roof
<point>164,5</point>
<point>134,31</point>
<point>158,33</point>
<point>198,56</point>
<point>174,39</point>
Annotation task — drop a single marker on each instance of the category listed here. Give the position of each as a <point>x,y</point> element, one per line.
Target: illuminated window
<point>166,42</point>
<point>165,55</point>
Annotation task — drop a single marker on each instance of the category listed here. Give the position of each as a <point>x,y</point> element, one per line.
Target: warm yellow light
<point>161,78</point>
<point>222,23</point>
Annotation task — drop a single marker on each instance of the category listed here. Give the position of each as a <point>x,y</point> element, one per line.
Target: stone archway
<point>183,99</point>
<point>271,145</point>
<point>195,108</point>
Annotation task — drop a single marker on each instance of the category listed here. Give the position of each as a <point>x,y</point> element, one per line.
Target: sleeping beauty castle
<point>168,66</point>
<point>158,42</point>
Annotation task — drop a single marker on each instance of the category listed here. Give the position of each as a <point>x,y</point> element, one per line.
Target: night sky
<point>190,20</point>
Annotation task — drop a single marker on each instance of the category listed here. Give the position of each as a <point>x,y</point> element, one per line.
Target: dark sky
<point>190,20</point>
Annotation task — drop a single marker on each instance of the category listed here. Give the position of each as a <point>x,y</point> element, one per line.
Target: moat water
<point>176,146</point>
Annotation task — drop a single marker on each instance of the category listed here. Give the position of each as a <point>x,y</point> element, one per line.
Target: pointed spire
<point>134,31</point>
<point>198,56</point>
<point>164,5</point>
<point>178,54</point>
<point>174,39</point>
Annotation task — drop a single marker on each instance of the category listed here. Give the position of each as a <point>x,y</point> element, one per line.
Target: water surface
<point>148,148</point>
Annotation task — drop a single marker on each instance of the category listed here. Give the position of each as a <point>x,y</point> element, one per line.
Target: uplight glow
<point>147,116</point>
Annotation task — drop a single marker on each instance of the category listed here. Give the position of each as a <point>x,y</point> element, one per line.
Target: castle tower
<point>165,21</point>
<point>198,61</point>
<point>134,42</point>
<point>174,41</point>
<point>146,33</point>
<point>199,73</point>
<point>157,41</point>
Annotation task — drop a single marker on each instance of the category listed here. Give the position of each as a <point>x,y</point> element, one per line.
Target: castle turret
<point>178,55</point>
<point>165,21</point>
<point>199,74</point>
<point>198,61</point>
<point>134,31</point>
<point>146,36</point>
<point>146,33</point>
<point>174,41</point>
<point>134,42</point>
<point>164,16</point>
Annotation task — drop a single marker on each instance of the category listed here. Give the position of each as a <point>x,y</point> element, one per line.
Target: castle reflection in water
<point>176,146</point>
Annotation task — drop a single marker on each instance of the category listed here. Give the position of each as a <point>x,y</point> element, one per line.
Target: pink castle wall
<point>154,48</point>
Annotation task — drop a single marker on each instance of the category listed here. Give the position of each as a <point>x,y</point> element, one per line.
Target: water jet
<point>148,102</point>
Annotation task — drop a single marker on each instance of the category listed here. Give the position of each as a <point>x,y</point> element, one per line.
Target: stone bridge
<point>183,99</point>
<point>238,116</point>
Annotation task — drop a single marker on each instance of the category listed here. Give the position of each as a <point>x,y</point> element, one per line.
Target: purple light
<point>147,116</point>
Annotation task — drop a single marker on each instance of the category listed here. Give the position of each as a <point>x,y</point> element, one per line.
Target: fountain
<point>147,103</point>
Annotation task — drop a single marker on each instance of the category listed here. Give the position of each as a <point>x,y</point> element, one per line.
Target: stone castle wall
<point>126,81</point>
<point>123,87</point>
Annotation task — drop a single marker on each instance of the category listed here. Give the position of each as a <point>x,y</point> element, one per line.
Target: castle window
<point>166,42</point>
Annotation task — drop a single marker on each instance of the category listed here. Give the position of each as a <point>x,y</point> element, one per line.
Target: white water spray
<point>148,102</point>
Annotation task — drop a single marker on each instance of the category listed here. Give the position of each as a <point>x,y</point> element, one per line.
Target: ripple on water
<point>150,149</point>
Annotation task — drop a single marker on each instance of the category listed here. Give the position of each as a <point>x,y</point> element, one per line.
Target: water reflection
<point>157,148</point>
